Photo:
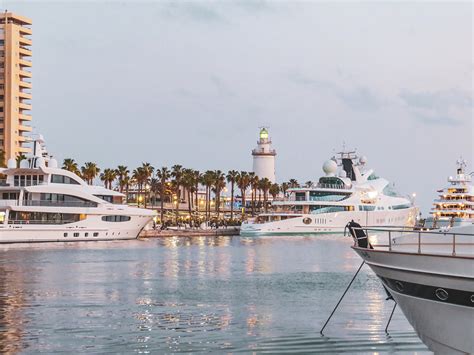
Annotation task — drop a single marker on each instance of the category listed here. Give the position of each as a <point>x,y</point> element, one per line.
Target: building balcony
<point>25,41</point>
<point>25,74</point>
<point>23,139</point>
<point>26,52</point>
<point>24,84</point>
<point>26,30</point>
<point>24,150</point>
<point>23,95</point>
<point>23,128</point>
<point>25,63</point>
<point>24,117</point>
<point>24,106</point>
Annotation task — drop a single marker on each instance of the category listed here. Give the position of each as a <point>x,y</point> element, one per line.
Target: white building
<point>264,157</point>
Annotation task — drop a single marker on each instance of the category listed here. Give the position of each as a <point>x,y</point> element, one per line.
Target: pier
<point>156,233</point>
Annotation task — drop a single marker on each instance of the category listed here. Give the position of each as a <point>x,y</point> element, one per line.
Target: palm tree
<point>284,188</point>
<point>177,174</point>
<point>293,183</point>
<point>265,185</point>
<point>19,158</point>
<point>70,165</point>
<point>163,174</point>
<point>126,181</point>
<point>122,172</point>
<point>208,180</point>
<point>189,184</point>
<point>108,177</point>
<point>254,180</point>
<point>140,177</point>
<point>155,187</point>
<point>274,191</point>
<point>232,178</point>
<point>148,173</point>
<point>197,179</point>
<point>243,182</point>
<point>219,184</point>
<point>2,159</point>
<point>90,171</point>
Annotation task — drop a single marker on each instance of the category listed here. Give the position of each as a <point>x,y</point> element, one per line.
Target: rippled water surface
<point>200,294</point>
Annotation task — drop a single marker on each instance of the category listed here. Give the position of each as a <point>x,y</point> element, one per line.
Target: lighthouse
<point>264,157</point>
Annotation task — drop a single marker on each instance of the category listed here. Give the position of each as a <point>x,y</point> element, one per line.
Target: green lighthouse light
<point>263,133</point>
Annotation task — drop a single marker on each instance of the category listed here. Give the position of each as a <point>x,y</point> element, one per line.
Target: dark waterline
<point>200,294</point>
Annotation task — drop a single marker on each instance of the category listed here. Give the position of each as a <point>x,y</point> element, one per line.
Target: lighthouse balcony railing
<point>264,151</point>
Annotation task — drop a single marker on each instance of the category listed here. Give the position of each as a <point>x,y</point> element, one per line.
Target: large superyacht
<point>455,203</point>
<point>40,202</point>
<point>348,191</point>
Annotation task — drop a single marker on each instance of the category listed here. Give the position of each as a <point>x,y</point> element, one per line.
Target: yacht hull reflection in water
<point>41,203</point>
<point>431,277</point>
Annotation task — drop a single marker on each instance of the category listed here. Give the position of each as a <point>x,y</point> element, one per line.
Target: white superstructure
<point>264,157</point>
<point>455,203</point>
<point>40,202</point>
<point>347,192</point>
<point>430,274</point>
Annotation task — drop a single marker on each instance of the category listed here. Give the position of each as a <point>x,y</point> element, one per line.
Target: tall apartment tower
<point>15,84</point>
<point>264,157</point>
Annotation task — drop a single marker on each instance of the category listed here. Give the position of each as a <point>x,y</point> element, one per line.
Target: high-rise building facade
<point>15,84</point>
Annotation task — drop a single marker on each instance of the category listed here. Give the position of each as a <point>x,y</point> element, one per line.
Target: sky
<point>191,82</point>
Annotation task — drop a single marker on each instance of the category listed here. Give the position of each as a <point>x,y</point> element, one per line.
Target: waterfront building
<point>15,84</point>
<point>264,157</point>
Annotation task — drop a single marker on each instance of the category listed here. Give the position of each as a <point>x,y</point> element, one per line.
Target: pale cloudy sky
<point>120,82</point>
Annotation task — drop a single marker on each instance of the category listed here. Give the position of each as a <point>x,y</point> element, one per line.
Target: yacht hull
<point>415,281</point>
<point>74,232</point>
<point>329,223</point>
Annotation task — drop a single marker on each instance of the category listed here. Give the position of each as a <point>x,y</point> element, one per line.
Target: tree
<point>2,159</point>
<point>140,178</point>
<point>147,170</point>
<point>254,180</point>
<point>121,172</point>
<point>208,180</point>
<point>188,182</point>
<point>177,174</point>
<point>274,191</point>
<point>293,184</point>
<point>232,176</point>
<point>265,185</point>
<point>19,158</point>
<point>163,175</point>
<point>70,165</point>
<point>243,182</point>
<point>89,172</point>
<point>284,188</point>
<point>219,185</point>
<point>108,177</point>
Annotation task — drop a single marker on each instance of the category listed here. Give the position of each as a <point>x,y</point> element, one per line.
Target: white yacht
<point>40,202</point>
<point>430,274</point>
<point>455,203</point>
<point>348,191</point>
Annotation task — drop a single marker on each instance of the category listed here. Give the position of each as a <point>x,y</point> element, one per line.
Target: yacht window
<point>96,234</point>
<point>300,196</point>
<point>116,218</point>
<point>366,208</point>
<point>48,199</point>
<point>22,180</point>
<point>401,207</point>
<point>62,179</point>
<point>9,196</point>
<point>40,179</point>
<point>17,217</point>
<point>65,234</point>
<point>107,198</point>
<point>16,180</point>
<point>76,234</point>
<point>35,179</point>
<point>28,180</point>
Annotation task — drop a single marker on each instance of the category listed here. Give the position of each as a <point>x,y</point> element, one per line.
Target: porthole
<point>307,220</point>
<point>96,234</point>
<point>441,294</point>
<point>76,234</point>
<point>86,234</point>
<point>472,298</point>
<point>65,235</point>
<point>400,287</point>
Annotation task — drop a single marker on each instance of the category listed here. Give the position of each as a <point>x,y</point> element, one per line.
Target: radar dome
<point>363,160</point>
<point>53,163</point>
<point>24,164</point>
<point>330,167</point>
<point>342,174</point>
<point>11,164</point>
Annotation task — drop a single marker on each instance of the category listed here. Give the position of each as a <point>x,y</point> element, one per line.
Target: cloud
<point>359,98</point>
<point>443,107</point>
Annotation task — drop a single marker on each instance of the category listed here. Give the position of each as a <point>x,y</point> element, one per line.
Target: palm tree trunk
<point>162,195</point>
<point>232,201</point>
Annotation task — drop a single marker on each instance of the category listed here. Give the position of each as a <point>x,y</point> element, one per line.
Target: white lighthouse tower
<point>264,157</point>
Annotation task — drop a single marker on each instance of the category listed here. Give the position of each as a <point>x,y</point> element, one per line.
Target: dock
<point>156,233</point>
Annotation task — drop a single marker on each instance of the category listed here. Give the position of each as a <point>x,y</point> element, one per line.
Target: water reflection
<point>221,294</point>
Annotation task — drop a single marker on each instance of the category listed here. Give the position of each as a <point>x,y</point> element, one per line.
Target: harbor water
<point>199,294</point>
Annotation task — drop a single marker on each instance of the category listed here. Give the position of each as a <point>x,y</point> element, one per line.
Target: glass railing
<point>46,203</point>
<point>16,221</point>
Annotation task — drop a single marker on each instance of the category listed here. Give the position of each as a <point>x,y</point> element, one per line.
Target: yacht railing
<point>17,221</point>
<point>332,186</point>
<point>420,236</point>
